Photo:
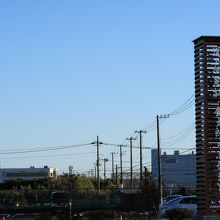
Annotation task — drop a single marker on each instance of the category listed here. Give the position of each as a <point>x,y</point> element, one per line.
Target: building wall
<point>26,173</point>
<point>176,170</point>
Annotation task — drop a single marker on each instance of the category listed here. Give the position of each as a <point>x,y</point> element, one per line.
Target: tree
<point>151,194</point>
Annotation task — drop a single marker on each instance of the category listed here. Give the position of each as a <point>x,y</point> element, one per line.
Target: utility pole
<point>92,173</point>
<point>95,170</point>
<point>131,160</point>
<point>98,180</point>
<point>121,179</point>
<point>145,173</point>
<point>160,187</point>
<point>140,132</point>
<point>70,170</point>
<point>113,166</point>
<point>116,174</point>
<point>97,162</point>
<point>105,160</point>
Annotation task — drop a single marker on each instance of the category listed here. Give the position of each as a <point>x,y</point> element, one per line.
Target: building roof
<point>207,38</point>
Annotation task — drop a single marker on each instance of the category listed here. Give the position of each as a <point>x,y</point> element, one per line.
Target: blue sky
<point>72,70</point>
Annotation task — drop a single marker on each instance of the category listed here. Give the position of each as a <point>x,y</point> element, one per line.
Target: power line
<point>180,133</point>
<point>180,138</point>
<point>186,105</point>
<point>124,146</point>
<point>176,148</point>
<point>45,156</point>
<point>44,149</point>
<point>151,126</point>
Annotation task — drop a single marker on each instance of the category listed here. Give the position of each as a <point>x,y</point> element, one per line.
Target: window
<point>185,201</point>
<point>191,200</point>
<point>170,161</point>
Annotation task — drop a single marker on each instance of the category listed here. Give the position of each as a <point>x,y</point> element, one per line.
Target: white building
<point>176,169</point>
<point>31,173</point>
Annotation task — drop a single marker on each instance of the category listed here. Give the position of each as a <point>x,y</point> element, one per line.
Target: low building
<point>31,173</point>
<point>177,170</point>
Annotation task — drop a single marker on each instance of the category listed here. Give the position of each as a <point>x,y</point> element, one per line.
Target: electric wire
<point>180,133</point>
<point>186,105</point>
<point>152,126</point>
<point>124,146</point>
<point>178,139</point>
<point>43,149</point>
<point>46,156</point>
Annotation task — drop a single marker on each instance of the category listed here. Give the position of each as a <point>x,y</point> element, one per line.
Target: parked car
<point>171,197</point>
<point>181,202</point>
<point>166,200</point>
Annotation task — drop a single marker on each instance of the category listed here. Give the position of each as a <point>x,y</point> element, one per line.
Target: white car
<point>182,202</point>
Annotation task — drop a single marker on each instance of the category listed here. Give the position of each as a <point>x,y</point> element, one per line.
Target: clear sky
<point>74,69</point>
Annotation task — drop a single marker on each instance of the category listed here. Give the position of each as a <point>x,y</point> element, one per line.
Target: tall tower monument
<point>207,105</point>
